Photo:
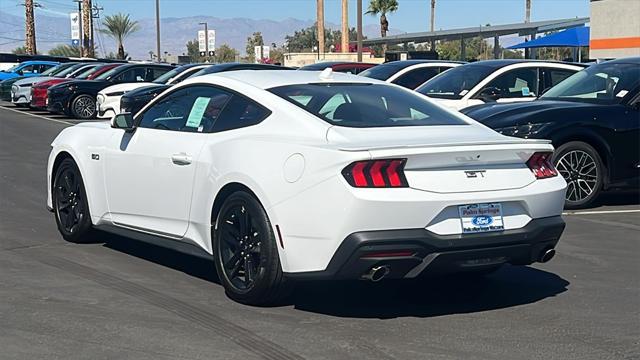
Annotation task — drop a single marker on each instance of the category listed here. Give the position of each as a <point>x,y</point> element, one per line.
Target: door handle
<point>181,159</point>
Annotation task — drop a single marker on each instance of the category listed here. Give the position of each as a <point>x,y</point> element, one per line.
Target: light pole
<point>158,29</point>
<point>359,30</point>
<point>206,38</point>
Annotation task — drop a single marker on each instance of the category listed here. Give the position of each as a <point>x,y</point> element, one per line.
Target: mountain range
<point>175,33</point>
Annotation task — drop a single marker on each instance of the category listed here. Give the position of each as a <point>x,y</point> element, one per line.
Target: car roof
<point>39,62</point>
<point>266,79</point>
<point>500,63</point>
<point>325,64</point>
<point>626,60</point>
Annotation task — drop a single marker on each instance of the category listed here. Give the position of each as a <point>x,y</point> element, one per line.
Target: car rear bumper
<point>429,253</point>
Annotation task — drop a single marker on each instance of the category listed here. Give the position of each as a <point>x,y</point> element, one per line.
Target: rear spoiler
<point>358,147</point>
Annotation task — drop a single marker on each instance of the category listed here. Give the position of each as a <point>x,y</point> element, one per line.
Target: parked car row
<point>591,118</point>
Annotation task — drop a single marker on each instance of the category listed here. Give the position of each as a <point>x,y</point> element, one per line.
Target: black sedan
<point>134,100</point>
<point>593,120</point>
<point>77,98</point>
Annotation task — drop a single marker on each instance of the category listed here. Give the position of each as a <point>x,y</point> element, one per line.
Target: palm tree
<point>383,7</point>
<point>344,43</point>
<point>119,26</point>
<point>320,22</point>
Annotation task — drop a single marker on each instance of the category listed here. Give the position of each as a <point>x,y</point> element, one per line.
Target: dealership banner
<point>74,17</point>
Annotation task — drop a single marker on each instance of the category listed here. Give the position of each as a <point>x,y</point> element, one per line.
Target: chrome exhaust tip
<point>377,273</point>
<point>547,255</point>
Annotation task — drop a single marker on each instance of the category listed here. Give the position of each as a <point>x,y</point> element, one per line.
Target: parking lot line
<point>600,212</point>
<point>38,116</point>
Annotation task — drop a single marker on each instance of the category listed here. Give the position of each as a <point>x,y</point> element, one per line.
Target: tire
<point>83,107</point>
<point>581,166</point>
<point>264,283</point>
<point>70,206</point>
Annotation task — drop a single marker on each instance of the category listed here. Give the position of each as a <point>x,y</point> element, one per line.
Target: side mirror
<point>489,94</point>
<point>123,121</point>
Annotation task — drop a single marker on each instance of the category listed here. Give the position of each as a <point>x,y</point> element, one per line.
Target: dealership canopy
<point>574,37</point>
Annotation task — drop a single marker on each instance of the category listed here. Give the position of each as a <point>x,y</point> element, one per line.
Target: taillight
<point>376,173</point>
<point>541,166</point>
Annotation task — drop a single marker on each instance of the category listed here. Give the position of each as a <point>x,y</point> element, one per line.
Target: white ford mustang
<point>284,175</point>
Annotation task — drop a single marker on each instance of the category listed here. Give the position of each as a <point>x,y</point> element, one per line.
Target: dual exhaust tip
<point>547,255</point>
<point>378,273</point>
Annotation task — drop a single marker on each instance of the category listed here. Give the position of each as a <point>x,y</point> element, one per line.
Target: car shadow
<point>508,287</point>
<point>618,198</point>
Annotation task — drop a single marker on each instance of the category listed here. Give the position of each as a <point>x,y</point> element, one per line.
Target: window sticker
<point>463,92</point>
<point>622,93</point>
<point>197,110</point>
<point>525,91</point>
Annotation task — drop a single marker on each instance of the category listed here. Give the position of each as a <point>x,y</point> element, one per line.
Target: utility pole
<point>359,29</point>
<point>80,26</point>
<point>433,23</point>
<point>158,29</point>
<point>30,28</point>
<point>320,18</point>
<point>527,19</point>
<point>87,44</point>
<point>345,26</point>
<point>95,14</point>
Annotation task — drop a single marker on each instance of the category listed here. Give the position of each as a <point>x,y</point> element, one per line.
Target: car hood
<point>497,115</point>
<point>123,87</point>
<point>87,84</point>
<point>33,80</point>
<point>148,90</point>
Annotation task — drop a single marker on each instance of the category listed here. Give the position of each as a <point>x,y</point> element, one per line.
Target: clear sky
<point>413,15</point>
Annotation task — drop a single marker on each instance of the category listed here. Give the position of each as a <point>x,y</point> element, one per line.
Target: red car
<point>39,90</point>
<point>339,66</point>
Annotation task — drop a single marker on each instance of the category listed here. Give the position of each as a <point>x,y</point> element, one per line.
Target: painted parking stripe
<point>601,212</point>
<point>38,116</point>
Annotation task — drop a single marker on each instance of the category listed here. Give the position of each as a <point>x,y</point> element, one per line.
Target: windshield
<point>455,83</point>
<point>50,71</point>
<point>68,70</point>
<point>107,74</point>
<point>88,72</point>
<point>602,83</point>
<point>365,105</point>
<point>381,72</point>
<point>162,79</point>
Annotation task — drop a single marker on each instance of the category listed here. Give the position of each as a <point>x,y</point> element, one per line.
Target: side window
<point>131,75</point>
<point>28,69</point>
<point>554,76</point>
<point>238,113</point>
<point>516,83</point>
<point>190,109</point>
<point>154,73</point>
<point>413,78</point>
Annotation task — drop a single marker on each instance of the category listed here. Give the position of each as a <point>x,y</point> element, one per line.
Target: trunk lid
<point>448,159</point>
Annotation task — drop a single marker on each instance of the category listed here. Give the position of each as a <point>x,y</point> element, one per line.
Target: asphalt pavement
<point>122,299</point>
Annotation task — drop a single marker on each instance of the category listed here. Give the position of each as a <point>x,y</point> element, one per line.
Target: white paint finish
<point>138,185</point>
<point>109,105</point>
<point>469,98</point>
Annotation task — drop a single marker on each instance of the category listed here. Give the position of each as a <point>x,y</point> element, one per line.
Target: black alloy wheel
<point>582,168</point>
<point>245,252</point>
<point>83,107</point>
<point>70,203</point>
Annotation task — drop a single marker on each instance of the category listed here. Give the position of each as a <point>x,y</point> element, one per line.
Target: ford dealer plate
<point>481,218</point>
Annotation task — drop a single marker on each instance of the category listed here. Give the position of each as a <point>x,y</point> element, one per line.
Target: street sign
<point>257,52</point>
<point>212,39</point>
<point>202,41</point>
<point>212,53</point>
<point>75,27</point>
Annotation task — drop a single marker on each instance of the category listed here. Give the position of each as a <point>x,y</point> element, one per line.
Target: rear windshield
<point>365,105</point>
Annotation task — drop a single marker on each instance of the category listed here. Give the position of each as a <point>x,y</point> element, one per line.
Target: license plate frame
<point>481,218</point>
